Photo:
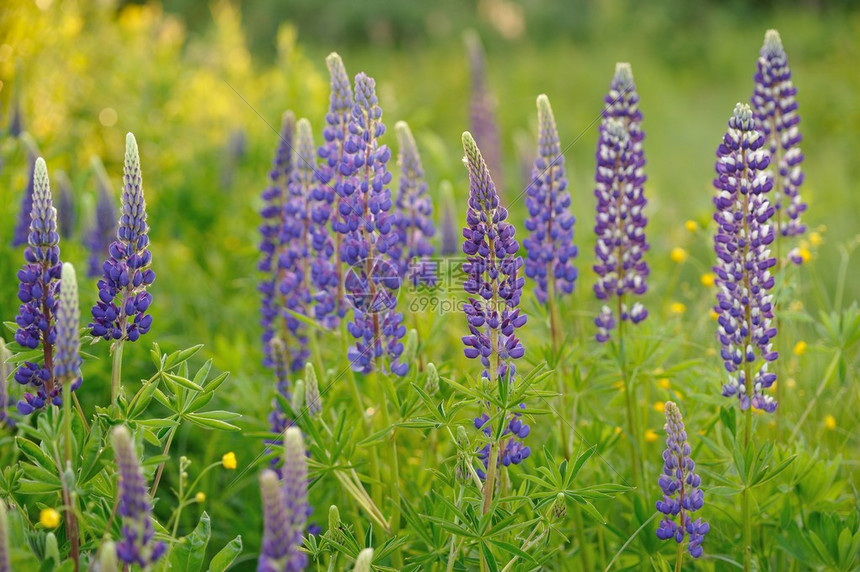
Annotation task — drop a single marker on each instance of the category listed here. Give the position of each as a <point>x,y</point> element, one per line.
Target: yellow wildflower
<point>663,382</point>
<point>708,279</point>
<point>618,430</point>
<point>805,254</point>
<point>815,239</point>
<point>651,436</point>
<point>790,383</point>
<point>678,255</point>
<point>49,518</point>
<point>800,348</point>
<point>677,308</point>
<point>691,226</point>
<point>229,461</point>
<point>796,306</point>
<point>659,407</point>
<point>830,422</point>
<point>200,497</point>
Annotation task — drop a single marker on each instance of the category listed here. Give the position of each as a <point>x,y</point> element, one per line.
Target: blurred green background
<point>192,78</point>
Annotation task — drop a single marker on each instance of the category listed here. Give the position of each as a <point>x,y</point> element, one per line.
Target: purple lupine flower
<point>275,234</point>
<point>103,230</point>
<point>138,544</point>
<point>775,109</point>
<point>368,236</point>
<point>22,227</point>
<point>492,313</point>
<point>67,360</point>
<point>39,281</point>
<point>550,245</point>
<point>278,420</point>
<point>120,313</point>
<point>285,509</point>
<point>331,173</point>
<point>65,206</point>
<point>680,485</point>
<point>742,244</point>
<point>482,108</point>
<point>620,222</point>
<point>413,219</point>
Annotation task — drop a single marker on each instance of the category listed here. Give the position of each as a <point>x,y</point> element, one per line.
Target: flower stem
<point>679,557</point>
<point>629,395</point>
<point>71,518</point>
<point>116,371</point>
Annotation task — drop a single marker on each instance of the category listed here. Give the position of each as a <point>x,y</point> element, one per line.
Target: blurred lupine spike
<point>450,236</point>
<point>680,486</point>
<point>414,212</point>
<point>5,371</point>
<point>775,109</point>
<point>492,313</point>
<point>285,508</point>
<point>742,244</point>
<point>278,355</point>
<point>107,557</point>
<point>482,107</point>
<point>138,544</point>
<point>22,227</point>
<point>619,225</point>
<point>39,280</point>
<point>297,399</point>
<point>67,360</point>
<point>104,223</point>
<point>368,235</point>
<point>272,240</point>
<point>5,565</point>
<point>120,314</point>
<point>431,385</point>
<point>550,244</point>
<point>313,401</point>
<point>364,560</point>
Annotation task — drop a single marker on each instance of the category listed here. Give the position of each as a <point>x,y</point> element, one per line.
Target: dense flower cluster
<point>138,544</point>
<point>492,312</point>
<point>742,244</point>
<point>413,219</point>
<point>103,229</point>
<point>512,449</point>
<point>120,313</point>
<point>38,287</point>
<point>67,360</point>
<point>550,245</point>
<point>775,109</point>
<point>482,108</point>
<point>680,485</point>
<point>368,236</point>
<point>285,509</point>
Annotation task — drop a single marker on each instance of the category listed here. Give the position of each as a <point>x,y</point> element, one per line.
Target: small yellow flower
<point>659,407</point>
<point>229,461</point>
<point>800,348</point>
<point>678,255</point>
<point>677,308</point>
<point>805,254</point>
<point>796,306</point>
<point>651,436</point>
<point>200,497</point>
<point>691,226</point>
<point>815,239</point>
<point>49,518</point>
<point>664,382</point>
<point>713,314</point>
<point>791,383</point>
<point>708,279</point>
<point>830,422</point>
<point>618,430</point>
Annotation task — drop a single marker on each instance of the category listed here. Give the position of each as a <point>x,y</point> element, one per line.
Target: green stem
<point>116,371</point>
<point>451,551</point>
<point>71,518</point>
<point>629,396</point>
<point>394,480</point>
<point>160,470</point>
<point>584,548</point>
<point>745,496</point>
<point>679,557</point>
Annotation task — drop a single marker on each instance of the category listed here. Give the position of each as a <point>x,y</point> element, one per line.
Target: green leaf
<point>188,553</point>
<point>208,421</point>
<point>183,381</point>
<point>35,453</point>
<point>142,399</point>
<point>181,356</point>
<point>226,555</point>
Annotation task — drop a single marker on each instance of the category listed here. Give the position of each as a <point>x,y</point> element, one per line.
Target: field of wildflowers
<point>475,302</point>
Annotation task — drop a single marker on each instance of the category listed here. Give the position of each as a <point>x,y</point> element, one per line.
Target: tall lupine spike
<point>413,218</point>
<point>120,314</point>
<point>482,107</point>
<point>5,420</point>
<point>276,524</point>
<point>5,565</point>
<point>331,173</point>
<point>368,235</point>
<point>275,235</point>
<point>67,361</point>
<point>39,282</point>
<point>680,486</point>
<point>775,109</point>
<point>313,401</point>
<point>550,245</point>
<point>104,224</point>
<point>364,561</point>
<point>493,314</point>
<point>450,237</point>
<point>22,227</point>
<point>620,228</point>
<point>138,544</point>
<point>742,244</point>
<point>66,206</point>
